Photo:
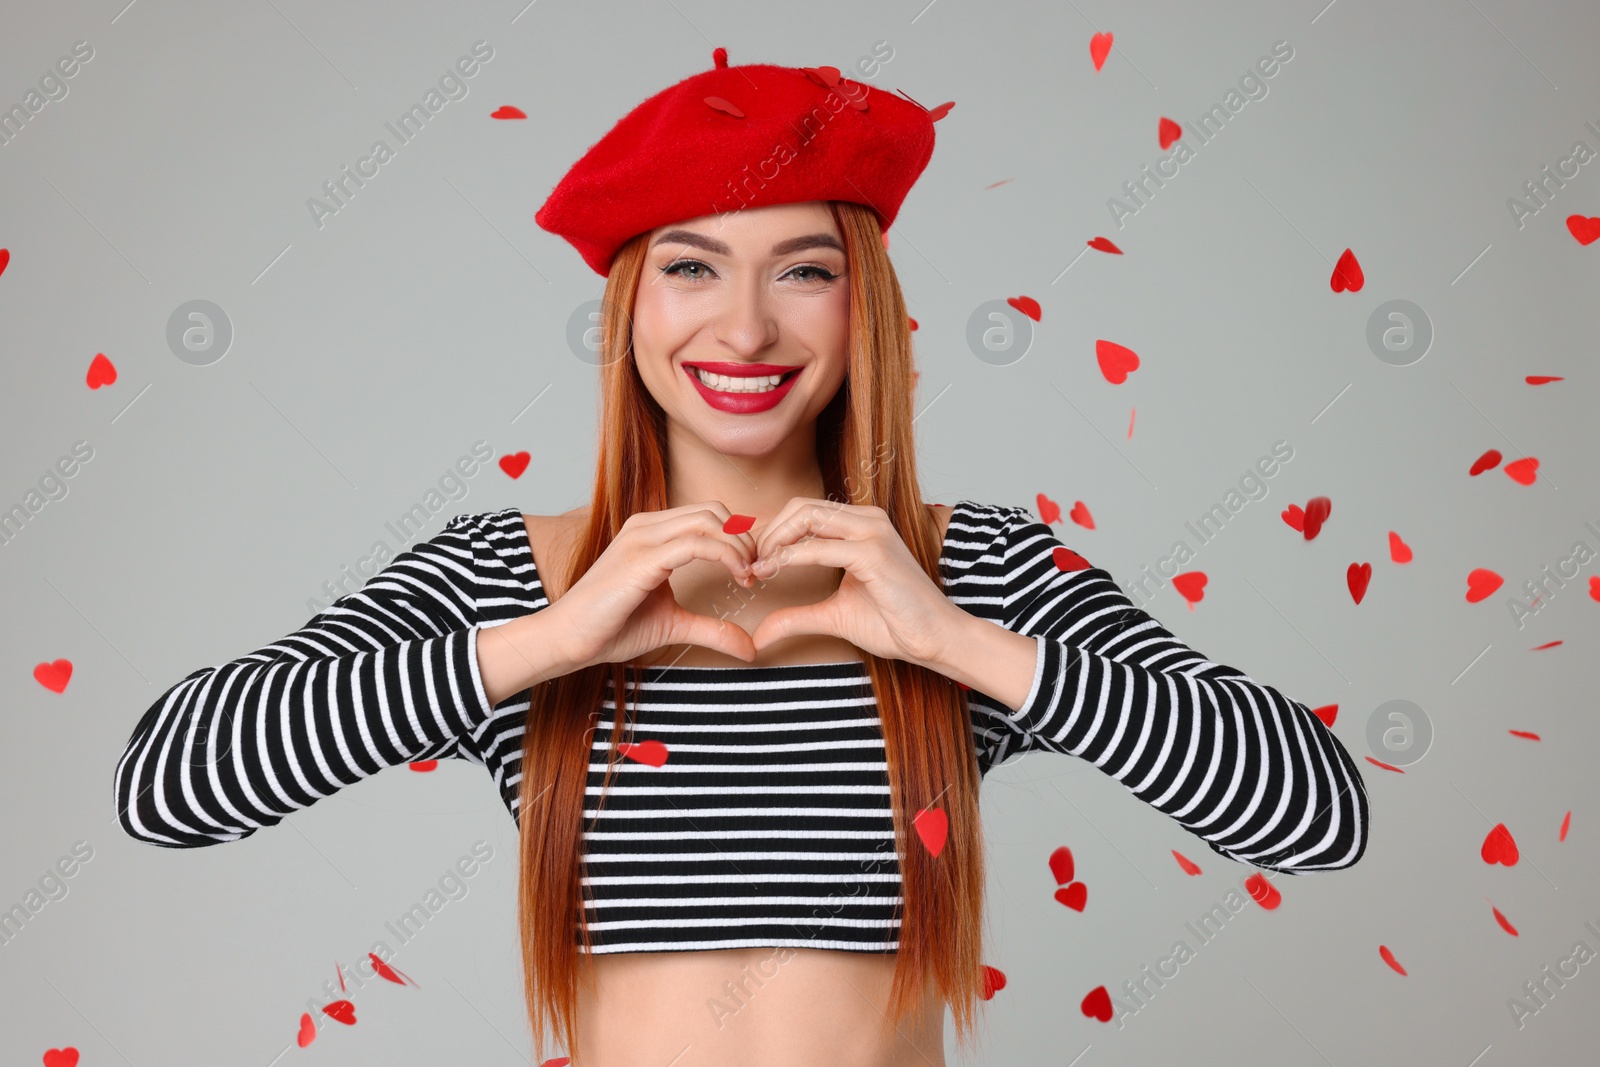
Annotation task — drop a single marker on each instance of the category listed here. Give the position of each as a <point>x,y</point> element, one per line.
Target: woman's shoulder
<point>974,517</point>
<point>550,537</point>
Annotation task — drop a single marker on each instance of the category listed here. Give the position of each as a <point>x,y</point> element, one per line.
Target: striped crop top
<point>769,824</point>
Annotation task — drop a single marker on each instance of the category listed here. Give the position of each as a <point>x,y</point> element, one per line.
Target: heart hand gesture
<point>885,605</point>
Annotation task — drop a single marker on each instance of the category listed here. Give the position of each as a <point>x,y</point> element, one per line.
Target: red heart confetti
<point>1500,847</point>
<point>1594,594</point>
<point>101,372</point>
<point>1566,821</point>
<point>1385,766</point>
<point>1482,582</point>
<point>515,463</point>
<point>723,105</point>
<point>1101,244</point>
<point>1188,865</point>
<point>1295,517</point>
<point>1049,510</point>
<point>61,1057</point>
<point>1585,230</point>
<point>738,524</point>
<point>506,111</point>
<point>1318,508</point>
<point>1532,379</point>
<point>1067,560</point>
<point>1327,713</point>
<point>1191,586</point>
<point>1167,132</point>
<point>1074,896</point>
<point>1062,867</point>
<point>384,971</point>
<point>939,112</point>
<point>1524,733</point>
<point>1100,47</point>
<point>1358,576</point>
<point>1097,1005</point>
<point>342,1010</point>
<point>856,95</point>
<point>651,752</point>
<point>1552,644</point>
<point>994,980</point>
<point>1027,305</point>
<point>1399,551</point>
<point>1262,891</point>
<point>1388,957</point>
<point>1130,422</point>
<point>1523,471</point>
<point>1116,362</point>
<point>933,826</point>
<point>1488,461</point>
<point>423,766</point>
<point>53,676</point>
<point>308,1030</point>
<point>1505,923</point>
<point>1080,515</point>
<point>5,259</point>
<point>1347,274</point>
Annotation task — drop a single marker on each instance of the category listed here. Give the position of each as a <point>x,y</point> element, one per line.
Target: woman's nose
<point>748,324</point>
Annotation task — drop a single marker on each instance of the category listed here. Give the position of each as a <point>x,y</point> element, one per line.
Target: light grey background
<point>430,312</point>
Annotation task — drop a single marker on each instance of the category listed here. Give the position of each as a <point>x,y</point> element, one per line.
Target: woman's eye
<point>682,265</point>
<point>822,274</point>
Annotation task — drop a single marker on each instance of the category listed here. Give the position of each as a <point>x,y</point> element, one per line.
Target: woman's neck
<point>758,485</point>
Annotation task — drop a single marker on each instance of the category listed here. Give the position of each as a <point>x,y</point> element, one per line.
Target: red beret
<point>738,137</point>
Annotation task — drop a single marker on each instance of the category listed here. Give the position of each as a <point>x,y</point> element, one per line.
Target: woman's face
<point>760,290</point>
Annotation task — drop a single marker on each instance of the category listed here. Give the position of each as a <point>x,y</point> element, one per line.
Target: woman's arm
<point>383,676</point>
<point>1253,773</point>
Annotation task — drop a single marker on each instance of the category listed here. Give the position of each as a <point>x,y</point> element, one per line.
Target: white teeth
<point>725,384</point>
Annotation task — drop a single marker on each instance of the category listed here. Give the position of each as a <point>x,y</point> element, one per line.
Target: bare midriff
<point>769,1006</point>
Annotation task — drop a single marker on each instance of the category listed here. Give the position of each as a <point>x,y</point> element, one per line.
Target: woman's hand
<point>885,604</point>
<point>623,607</point>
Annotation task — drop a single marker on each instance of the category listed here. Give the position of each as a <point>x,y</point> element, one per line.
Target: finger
<point>719,514</point>
<point>704,523</point>
<point>791,622</point>
<point>817,551</point>
<point>792,521</point>
<point>672,554</point>
<point>833,520</point>
<point>713,517</point>
<point>790,508</point>
<point>718,634</point>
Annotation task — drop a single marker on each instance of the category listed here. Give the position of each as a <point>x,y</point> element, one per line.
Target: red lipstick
<point>742,403</point>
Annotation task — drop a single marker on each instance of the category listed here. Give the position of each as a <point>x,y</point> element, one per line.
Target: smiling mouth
<point>725,383</point>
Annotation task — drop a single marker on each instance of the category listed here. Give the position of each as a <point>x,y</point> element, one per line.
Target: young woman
<point>772,853</point>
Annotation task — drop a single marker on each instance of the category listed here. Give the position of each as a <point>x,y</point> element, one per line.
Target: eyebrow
<point>782,248</point>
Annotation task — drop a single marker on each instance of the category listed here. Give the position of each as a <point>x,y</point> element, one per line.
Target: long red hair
<point>924,716</point>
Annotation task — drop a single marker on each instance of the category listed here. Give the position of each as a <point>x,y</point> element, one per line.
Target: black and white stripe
<point>769,824</point>
<point>1256,775</point>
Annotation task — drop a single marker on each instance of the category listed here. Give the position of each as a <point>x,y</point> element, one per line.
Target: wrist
<point>548,644</point>
<point>955,638</point>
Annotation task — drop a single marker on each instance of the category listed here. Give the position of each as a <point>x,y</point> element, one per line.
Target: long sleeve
<point>381,677</point>
<point>1256,775</point>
